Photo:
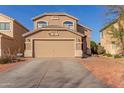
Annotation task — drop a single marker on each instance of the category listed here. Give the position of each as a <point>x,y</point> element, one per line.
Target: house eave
<point>85,27</point>
<point>49,29</point>
<point>14,21</point>
<point>109,24</point>
<point>45,14</point>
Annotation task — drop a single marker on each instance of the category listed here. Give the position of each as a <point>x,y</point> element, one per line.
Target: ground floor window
<point>114,45</point>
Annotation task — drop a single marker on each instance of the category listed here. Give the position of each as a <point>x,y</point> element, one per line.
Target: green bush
<point>117,56</point>
<point>107,54</point>
<point>104,54</point>
<point>5,60</point>
<point>93,47</point>
<point>100,50</point>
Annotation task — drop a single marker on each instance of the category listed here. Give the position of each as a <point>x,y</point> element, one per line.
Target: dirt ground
<point>108,70</point>
<point>4,67</point>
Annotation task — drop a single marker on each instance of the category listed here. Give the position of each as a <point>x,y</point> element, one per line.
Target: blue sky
<point>91,16</point>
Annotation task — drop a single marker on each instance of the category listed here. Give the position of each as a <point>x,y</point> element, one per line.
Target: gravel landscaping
<point>108,70</point>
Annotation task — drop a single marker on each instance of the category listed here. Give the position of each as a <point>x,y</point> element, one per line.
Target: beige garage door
<point>54,48</point>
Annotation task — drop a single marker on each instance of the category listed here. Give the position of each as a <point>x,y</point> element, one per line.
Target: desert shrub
<point>104,54</point>
<point>117,56</point>
<point>100,50</point>
<point>5,60</point>
<point>108,55</point>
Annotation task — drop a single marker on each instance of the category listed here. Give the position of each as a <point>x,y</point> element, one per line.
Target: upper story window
<point>41,24</point>
<point>101,34</point>
<point>4,26</point>
<point>68,24</point>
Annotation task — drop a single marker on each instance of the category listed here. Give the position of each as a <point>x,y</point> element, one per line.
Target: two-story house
<point>57,35</point>
<point>11,40</point>
<point>110,44</point>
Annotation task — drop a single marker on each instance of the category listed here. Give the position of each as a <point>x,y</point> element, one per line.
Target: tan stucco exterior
<point>4,18</point>
<point>55,40</point>
<point>62,35</point>
<point>106,40</point>
<point>86,39</point>
<point>58,22</point>
<point>11,40</point>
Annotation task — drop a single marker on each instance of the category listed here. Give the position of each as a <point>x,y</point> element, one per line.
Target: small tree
<point>118,33</point>
<point>93,46</point>
<point>100,50</point>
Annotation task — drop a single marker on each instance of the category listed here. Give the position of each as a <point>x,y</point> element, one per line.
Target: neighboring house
<point>110,44</point>
<point>11,40</point>
<point>57,35</point>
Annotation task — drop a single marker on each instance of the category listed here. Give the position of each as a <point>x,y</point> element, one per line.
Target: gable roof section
<point>52,28</point>
<point>109,24</point>
<point>6,16</point>
<point>1,14</point>
<point>54,14</point>
<point>5,36</point>
<point>85,27</point>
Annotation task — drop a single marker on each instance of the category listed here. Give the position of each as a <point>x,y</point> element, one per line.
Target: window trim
<point>5,26</point>
<point>114,46</point>
<point>68,21</point>
<point>42,21</point>
<point>101,34</point>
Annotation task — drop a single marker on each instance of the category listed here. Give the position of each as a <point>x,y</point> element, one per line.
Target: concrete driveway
<point>49,73</point>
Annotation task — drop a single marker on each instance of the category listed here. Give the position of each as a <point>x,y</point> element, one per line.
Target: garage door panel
<point>54,48</point>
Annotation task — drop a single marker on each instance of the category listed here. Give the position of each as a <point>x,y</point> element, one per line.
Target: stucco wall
<point>47,34</point>
<point>7,46</point>
<point>7,32</point>
<point>12,42</point>
<point>86,40</point>
<point>58,21</point>
<point>19,40</point>
<point>87,33</point>
<point>0,45</point>
<point>106,41</point>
